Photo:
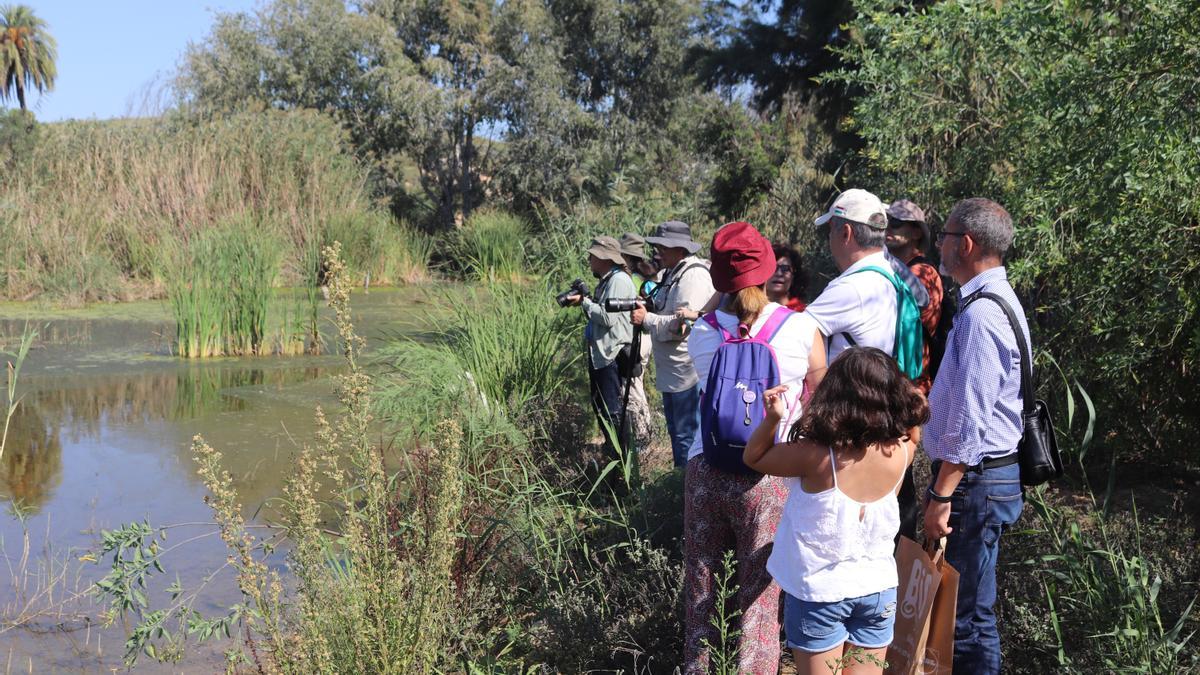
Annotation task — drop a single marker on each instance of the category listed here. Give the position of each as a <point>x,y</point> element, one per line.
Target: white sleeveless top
<point>824,553</point>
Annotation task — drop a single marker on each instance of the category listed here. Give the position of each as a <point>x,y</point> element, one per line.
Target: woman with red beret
<point>735,509</point>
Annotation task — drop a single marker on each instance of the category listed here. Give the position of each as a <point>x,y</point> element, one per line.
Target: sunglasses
<point>941,236</point>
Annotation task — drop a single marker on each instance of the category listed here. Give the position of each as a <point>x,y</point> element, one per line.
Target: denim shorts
<point>816,627</point>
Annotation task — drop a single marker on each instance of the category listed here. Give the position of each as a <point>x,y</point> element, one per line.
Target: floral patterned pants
<point>724,511</point>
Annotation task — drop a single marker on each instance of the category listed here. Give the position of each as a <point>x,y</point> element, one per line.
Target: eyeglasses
<point>783,269</point>
<point>941,236</point>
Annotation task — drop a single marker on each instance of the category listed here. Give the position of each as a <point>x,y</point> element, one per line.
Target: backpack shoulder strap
<point>773,324</point>
<point>711,319</point>
<point>1026,361</point>
<point>889,275</point>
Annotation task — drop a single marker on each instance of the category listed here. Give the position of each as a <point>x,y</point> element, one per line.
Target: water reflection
<point>32,463</point>
<point>84,407</point>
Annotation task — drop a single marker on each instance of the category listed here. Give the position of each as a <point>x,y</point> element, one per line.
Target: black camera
<point>620,304</point>
<point>577,288</point>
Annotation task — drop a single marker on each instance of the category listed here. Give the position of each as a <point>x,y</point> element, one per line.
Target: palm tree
<point>27,53</point>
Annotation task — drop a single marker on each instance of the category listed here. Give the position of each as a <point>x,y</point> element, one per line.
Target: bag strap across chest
<point>1022,344</point>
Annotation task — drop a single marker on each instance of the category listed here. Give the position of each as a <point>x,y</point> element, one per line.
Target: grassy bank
<point>509,544</point>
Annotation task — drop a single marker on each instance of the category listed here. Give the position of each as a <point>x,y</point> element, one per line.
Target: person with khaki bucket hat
<point>606,333</point>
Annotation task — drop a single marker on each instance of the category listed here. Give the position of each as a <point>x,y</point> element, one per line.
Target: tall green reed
<point>1099,588</point>
<point>12,374</point>
<point>490,246</point>
<point>511,343</point>
<point>91,212</point>
<point>220,286</point>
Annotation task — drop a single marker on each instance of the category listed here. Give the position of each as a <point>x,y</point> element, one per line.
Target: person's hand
<point>774,403</point>
<point>687,314</point>
<point>638,315</point>
<point>937,520</point>
<point>574,299</point>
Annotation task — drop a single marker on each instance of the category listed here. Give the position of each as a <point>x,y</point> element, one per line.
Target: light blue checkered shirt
<point>975,403</point>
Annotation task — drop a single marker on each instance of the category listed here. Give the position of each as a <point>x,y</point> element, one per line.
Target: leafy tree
<point>537,101</point>
<point>781,47</point>
<point>27,53</point>
<point>293,54</point>
<point>597,87</point>
<point>19,134</point>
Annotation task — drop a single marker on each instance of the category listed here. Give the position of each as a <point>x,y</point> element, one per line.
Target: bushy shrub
<point>1081,121</point>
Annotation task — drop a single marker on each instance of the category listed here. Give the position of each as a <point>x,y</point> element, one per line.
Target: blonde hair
<point>747,304</point>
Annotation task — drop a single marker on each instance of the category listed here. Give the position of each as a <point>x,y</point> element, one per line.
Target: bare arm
<point>764,455</point>
<point>817,362</point>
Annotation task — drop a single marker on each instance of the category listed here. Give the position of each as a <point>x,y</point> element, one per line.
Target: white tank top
<point>825,553</point>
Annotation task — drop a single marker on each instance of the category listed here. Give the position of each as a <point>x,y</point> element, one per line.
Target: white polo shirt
<point>862,304</point>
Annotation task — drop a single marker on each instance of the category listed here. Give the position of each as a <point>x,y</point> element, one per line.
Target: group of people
<point>807,478</point>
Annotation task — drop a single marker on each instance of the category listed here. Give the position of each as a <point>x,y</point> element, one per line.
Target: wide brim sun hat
<point>633,246</point>
<point>606,248</point>
<point>674,234</point>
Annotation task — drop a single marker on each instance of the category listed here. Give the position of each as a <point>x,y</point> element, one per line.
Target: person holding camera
<point>686,284</point>
<point>606,333</point>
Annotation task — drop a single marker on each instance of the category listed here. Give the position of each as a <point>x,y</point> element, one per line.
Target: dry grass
<point>93,210</point>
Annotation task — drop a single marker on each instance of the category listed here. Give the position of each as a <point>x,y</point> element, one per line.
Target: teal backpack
<point>909,347</point>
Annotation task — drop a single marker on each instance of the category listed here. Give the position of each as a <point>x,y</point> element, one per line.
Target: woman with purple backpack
<point>747,346</point>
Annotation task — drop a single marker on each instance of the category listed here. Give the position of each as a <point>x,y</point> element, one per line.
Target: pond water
<point>102,438</point>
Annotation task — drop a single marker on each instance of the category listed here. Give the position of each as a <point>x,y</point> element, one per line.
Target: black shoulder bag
<point>1037,452</point>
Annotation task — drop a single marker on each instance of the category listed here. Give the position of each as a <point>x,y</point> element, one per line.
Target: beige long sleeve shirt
<point>688,285</point>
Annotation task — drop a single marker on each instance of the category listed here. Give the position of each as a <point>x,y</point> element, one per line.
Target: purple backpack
<point>731,406</point>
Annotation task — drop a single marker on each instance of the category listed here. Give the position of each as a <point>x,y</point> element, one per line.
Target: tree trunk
<point>465,182</point>
<point>21,96</point>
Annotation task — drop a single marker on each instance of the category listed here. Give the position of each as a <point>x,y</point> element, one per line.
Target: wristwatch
<point>939,498</point>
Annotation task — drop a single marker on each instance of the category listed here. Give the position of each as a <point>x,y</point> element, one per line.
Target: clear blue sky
<point>109,52</point>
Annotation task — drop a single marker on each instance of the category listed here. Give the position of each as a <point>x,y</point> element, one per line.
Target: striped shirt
<point>975,403</point>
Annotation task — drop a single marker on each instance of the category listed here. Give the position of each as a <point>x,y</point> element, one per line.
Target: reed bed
<point>94,210</point>
<point>491,247</point>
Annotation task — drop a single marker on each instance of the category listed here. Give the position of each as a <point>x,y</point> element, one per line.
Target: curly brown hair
<point>863,399</point>
<point>799,275</point>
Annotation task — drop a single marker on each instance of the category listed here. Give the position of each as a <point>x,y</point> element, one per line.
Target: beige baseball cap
<point>857,205</point>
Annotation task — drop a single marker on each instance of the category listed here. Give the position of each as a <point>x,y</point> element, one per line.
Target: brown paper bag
<point>939,647</point>
<point>925,605</point>
<point>919,581</point>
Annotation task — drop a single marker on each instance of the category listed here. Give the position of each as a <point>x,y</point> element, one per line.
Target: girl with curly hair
<point>844,461</point>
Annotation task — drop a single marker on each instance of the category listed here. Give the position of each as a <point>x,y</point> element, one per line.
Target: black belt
<point>994,463</point>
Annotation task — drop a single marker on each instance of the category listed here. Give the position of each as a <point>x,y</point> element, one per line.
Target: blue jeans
<point>983,506</point>
<point>682,409</point>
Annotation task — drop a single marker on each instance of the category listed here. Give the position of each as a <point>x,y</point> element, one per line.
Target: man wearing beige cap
<point>861,306</point>
<point>607,332</point>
